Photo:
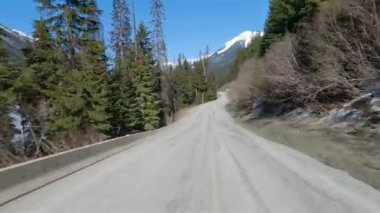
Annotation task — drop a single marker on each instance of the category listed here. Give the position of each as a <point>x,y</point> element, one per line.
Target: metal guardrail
<point>21,179</point>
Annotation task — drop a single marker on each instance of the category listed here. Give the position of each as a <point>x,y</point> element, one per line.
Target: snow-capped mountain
<point>244,39</point>
<point>14,41</point>
<point>220,62</point>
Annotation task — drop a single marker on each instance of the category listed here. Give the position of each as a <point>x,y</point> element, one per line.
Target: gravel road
<point>204,163</point>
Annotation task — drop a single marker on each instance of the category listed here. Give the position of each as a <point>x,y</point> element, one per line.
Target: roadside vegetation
<point>312,82</point>
<point>316,54</point>
<point>67,93</point>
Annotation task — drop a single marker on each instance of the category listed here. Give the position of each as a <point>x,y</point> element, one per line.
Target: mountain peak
<point>17,33</point>
<point>244,38</point>
<point>14,41</point>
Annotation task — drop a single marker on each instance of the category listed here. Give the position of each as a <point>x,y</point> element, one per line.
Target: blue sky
<point>190,24</point>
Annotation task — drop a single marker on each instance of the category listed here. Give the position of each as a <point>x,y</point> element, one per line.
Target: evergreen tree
<point>158,16</point>
<point>211,93</point>
<point>80,99</point>
<point>147,99</point>
<point>5,97</point>
<point>286,16</point>
<point>44,59</point>
<point>199,81</point>
<point>183,84</point>
<point>160,56</point>
<point>123,109</point>
<point>188,87</point>
<point>191,83</point>
<point>121,33</point>
<point>63,18</point>
<point>70,20</point>
<point>35,86</point>
<point>95,79</point>
<point>94,23</point>
<point>5,82</point>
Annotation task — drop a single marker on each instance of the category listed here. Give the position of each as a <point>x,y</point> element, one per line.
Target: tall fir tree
<point>147,99</point>
<point>200,82</point>
<point>95,79</point>
<point>44,59</point>
<point>5,82</point>
<point>123,110</point>
<point>121,32</point>
<point>5,97</point>
<point>94,23</point>
<point>66,18</point>
<point>286,16</point>
<point>80,98</point>
<point>36,85</point>
<point>160,56</point>
<point>123,107</point>
<point>159,46</point>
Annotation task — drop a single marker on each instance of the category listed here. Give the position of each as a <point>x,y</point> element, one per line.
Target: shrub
<point>329,61</point>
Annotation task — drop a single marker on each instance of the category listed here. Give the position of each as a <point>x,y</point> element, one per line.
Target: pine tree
<point>44,59</point>
<point>63,18</point>
<point>286,16</point>
<point>211,93</point>
<point>147,99</point>
<point>95,79</point>
<point>122,31</point>
<point>123,110</point>
<point>5,82</point>
<point>183,83</point>
<point>69,21</point>
<point>36,84</point>
<point>123,107</point>
<point>94,23</point>
<point>158,16</point>
<point>160,57</point>
<point>80,99</point>
<point>200,83</point>
<point>5,96</point>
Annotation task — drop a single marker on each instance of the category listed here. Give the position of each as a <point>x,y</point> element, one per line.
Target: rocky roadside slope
<point>347,137</point>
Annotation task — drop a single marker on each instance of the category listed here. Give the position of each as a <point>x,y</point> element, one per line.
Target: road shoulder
<point>338,151</point>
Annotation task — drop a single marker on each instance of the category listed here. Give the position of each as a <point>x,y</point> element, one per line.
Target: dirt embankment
<point>358,156</point>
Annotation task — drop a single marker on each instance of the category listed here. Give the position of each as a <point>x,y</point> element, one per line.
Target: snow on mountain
<point>14,41</point>
<point>220,61</point>
<point>17,33</point>
<point>22,34</point>
<point>244,38</point>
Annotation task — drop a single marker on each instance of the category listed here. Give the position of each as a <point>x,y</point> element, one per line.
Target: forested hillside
<point>68,93</point>
<point>315,54</point>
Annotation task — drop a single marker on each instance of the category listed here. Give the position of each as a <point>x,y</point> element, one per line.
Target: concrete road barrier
<point>18,180</point>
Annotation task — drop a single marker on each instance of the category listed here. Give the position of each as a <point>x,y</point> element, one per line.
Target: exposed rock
<point>299,114</point>
<point>261,108</point>
<point>364,110</point>
<point>375,105</point>
<point>346,114</point>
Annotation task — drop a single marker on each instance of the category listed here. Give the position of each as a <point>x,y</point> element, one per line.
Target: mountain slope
<point>221,61</point>
<point>14,41</point>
